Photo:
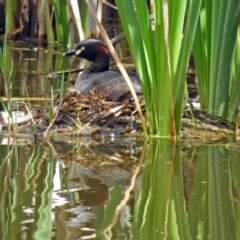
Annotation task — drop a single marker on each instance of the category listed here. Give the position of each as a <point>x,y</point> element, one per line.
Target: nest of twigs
<point>90,114</point>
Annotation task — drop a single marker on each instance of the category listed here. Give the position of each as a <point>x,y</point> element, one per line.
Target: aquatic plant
<point>161,50</point>
<point>61,14</point>
<point>11,116</point>
<point>7,83</point>
<point>217,59</point>
<point>54,110</point>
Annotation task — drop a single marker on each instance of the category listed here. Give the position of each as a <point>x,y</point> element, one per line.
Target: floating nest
<point>92,114</point>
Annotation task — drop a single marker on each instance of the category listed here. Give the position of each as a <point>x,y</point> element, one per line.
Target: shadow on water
<point>119,189</point>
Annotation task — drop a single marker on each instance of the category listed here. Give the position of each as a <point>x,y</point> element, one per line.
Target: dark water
<point>111,188</point>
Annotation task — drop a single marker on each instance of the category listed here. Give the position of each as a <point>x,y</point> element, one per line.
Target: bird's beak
<point>70,53</point>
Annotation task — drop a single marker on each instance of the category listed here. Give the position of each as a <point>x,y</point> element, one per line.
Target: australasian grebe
<point>98,77</point>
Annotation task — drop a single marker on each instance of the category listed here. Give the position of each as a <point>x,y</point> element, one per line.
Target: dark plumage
<point>98,77</point>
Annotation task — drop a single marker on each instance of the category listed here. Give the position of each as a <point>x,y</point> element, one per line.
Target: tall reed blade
<point>62,21</point>
<point>49,28</point>
<point>214,47</point>
<point>161,52</point>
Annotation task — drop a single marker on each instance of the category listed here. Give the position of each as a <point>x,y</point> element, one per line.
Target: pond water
<point>65,187</point>
<point>28,65</point>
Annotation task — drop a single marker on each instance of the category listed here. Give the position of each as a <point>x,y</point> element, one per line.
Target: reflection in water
<point>82,188</point>
<point>62,192</point>
<point>27,66</point>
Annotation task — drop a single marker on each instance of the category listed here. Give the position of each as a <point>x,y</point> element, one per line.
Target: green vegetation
<point>161,52</point>
<point>62,20</point>
<point>216,53</point>
<point>54,110</point>
<point>161,55</point>
<point>7,84</point>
